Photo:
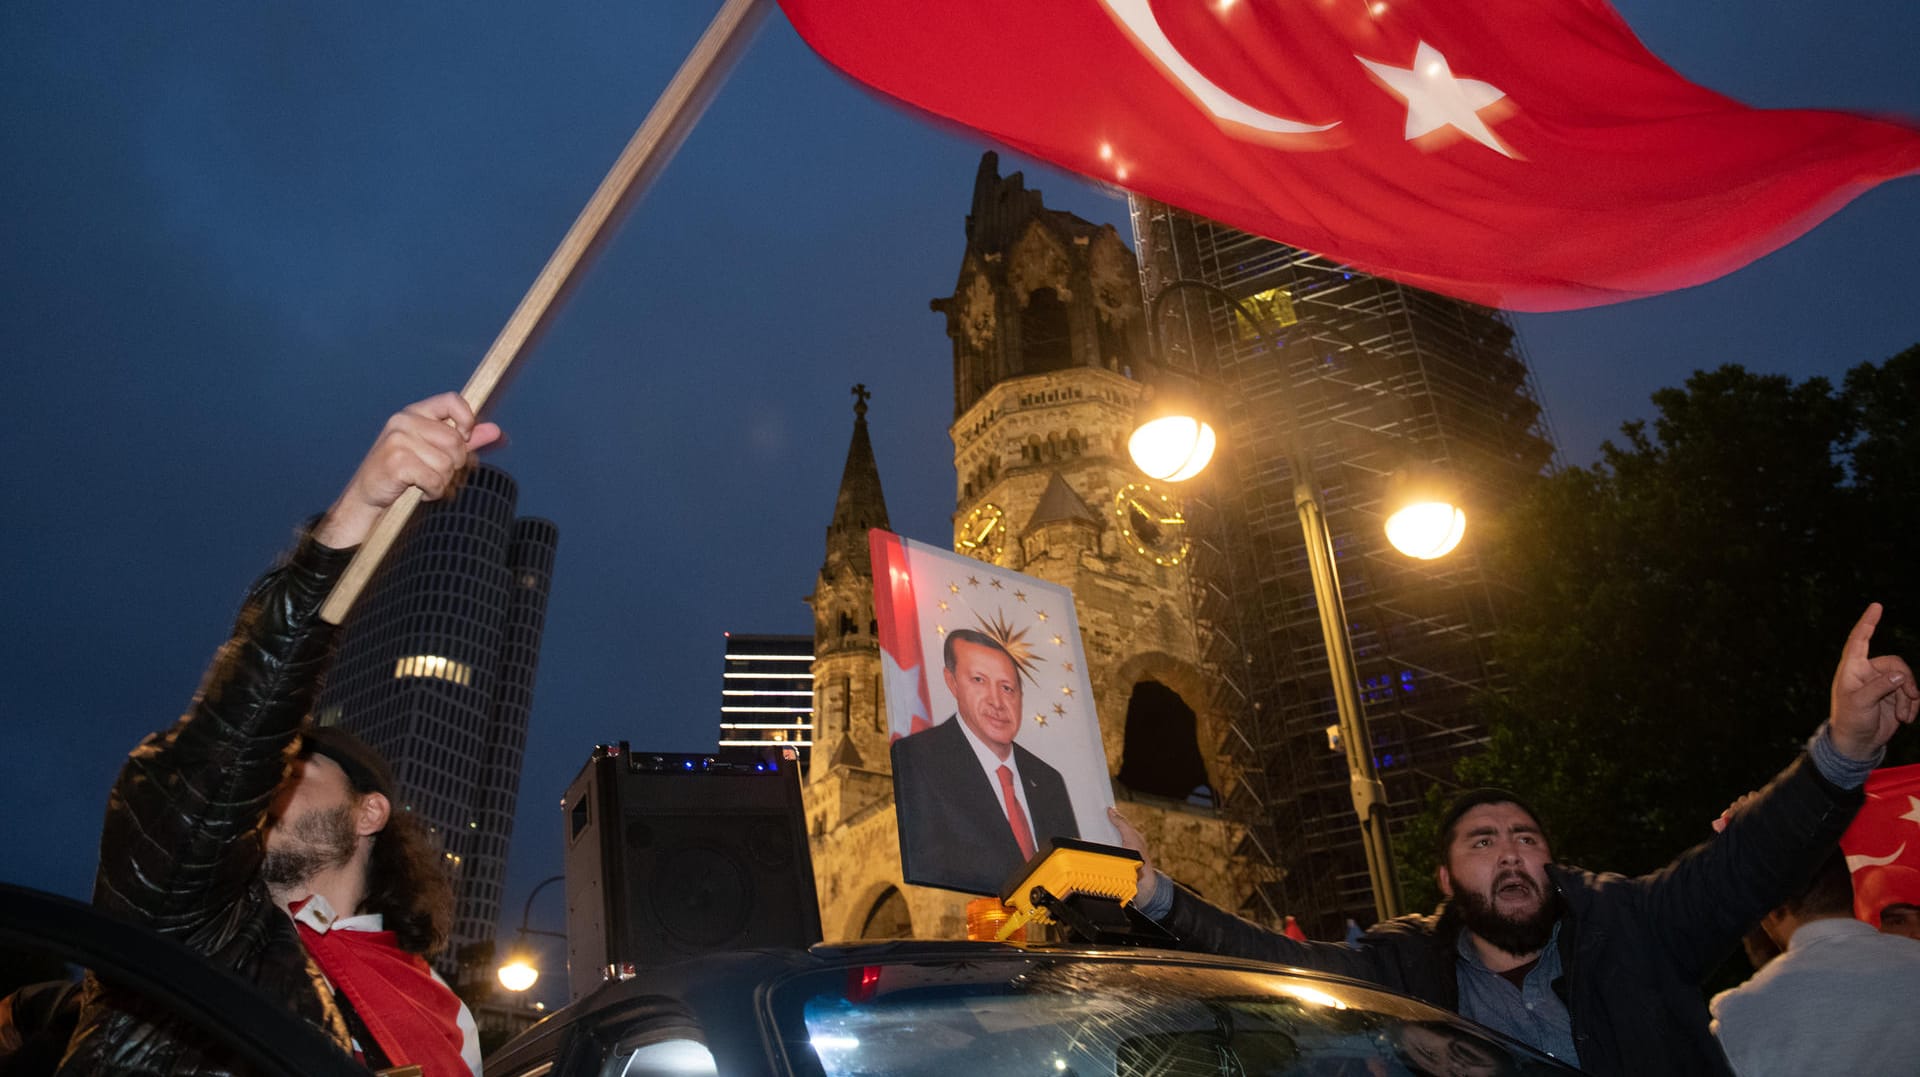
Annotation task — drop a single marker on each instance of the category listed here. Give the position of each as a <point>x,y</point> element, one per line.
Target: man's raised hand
<point>427,445</point>
<point>1871,696</point>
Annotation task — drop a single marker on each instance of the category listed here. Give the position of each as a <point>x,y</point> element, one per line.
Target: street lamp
<point>1174,448</point>
<point>1175,443</point>
<point>1426,524</point>
<point>519,973</point>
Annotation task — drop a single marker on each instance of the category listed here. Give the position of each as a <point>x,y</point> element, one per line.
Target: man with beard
<point>275,850</point>
<point>1601,971</point>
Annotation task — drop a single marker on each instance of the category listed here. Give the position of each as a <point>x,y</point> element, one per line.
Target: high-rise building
<point>436,669</point>
<point>1361,377</point>
<point>766,693</point>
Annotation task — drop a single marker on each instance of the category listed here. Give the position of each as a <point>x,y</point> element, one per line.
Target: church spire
<point>860,504</point>
<point>847,705</point>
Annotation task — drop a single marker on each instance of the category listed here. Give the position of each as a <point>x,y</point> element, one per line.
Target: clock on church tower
<point>983,533</point>
<point>1151,523</point>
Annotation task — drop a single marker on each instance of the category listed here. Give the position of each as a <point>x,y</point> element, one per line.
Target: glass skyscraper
<point>436,668</point>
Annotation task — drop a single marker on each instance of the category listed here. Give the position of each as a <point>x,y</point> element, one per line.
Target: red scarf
<point>414,1017</point>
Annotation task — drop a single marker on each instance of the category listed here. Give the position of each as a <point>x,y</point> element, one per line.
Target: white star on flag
<point>1436,98</point>
<point>902,689</point>
<point>1913,810</point>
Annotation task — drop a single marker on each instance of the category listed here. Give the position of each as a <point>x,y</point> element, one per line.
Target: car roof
<point>724,989</point>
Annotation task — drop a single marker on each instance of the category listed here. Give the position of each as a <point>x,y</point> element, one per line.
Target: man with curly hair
<point>273,847</point>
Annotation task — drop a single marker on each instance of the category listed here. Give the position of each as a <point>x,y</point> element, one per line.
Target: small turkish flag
<point>1883,844</point>
<point>1529,154</point>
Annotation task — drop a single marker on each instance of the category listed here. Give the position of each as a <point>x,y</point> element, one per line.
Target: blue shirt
<point>1530,1013</point>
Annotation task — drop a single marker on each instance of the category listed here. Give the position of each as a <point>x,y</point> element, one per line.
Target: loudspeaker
<point>670,856</point>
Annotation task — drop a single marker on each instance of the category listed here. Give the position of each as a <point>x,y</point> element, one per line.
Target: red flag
<point>897,612</point>
<point>1883,844</point>
<point>1529,154</point>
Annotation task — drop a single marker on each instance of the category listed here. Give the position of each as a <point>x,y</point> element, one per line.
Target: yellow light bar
<point>1071,867</point>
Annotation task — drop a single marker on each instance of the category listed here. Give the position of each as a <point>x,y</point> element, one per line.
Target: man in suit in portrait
<point>973,804</point>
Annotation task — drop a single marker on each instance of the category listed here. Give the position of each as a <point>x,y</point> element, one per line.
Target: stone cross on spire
<point>860,398</point>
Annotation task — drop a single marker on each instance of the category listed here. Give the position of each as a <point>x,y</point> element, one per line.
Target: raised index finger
<point>1862,632</point>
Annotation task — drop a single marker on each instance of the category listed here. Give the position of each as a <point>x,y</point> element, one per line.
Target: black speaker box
<point>671,856</point>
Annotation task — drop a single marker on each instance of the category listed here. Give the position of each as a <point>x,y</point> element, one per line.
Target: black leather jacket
<point>183,840</point>
<point>1633,950</point>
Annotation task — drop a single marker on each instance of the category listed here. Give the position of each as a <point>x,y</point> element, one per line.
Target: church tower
<point>850,723</point>
<point>1047,323</point>
<point>849,789</point>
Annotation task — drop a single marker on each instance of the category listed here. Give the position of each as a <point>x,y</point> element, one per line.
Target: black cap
<point>1474,798</point>
<point>366,771</point>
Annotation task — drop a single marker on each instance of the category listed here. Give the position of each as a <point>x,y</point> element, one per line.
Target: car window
<point>1075,1017</point>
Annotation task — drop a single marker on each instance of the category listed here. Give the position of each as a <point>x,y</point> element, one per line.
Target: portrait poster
<point>1019,697</point>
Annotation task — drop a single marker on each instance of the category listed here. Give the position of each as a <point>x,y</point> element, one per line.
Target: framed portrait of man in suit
<point>996,747</point>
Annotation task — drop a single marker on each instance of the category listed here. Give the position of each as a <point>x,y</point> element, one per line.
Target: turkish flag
<point>1528,154</point>
<point>902,666</point>
<point>1883,844</point>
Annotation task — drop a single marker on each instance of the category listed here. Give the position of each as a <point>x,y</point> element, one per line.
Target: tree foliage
<point>1677,609</point>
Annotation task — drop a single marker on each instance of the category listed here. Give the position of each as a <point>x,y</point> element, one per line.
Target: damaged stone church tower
<point>1047,323</point>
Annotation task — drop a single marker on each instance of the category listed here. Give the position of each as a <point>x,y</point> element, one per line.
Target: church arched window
<point>889,918</point>
<point>1046,342</point>
<point>1161,755</point>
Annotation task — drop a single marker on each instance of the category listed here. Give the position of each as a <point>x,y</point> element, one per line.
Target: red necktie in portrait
<point>1017,819</point>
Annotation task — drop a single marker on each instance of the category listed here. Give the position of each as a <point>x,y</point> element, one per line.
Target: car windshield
<point>1058,1017</point>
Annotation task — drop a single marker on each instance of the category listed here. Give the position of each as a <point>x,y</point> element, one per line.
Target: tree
<point>1679,606</point>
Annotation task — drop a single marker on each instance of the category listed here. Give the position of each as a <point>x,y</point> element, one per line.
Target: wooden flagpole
<point>646,155</point>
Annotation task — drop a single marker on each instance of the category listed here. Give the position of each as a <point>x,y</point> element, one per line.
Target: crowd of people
<point>274,848</point>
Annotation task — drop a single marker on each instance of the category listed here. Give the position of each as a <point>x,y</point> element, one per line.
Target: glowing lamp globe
<point>1172,448</point>
<point>518,974</point>
<point>1426,529</point>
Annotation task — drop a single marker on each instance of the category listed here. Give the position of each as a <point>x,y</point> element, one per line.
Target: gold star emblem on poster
<point>1013,640</point>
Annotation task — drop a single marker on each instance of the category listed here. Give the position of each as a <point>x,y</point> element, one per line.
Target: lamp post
<point>519,973</point>
<point>1192,444</point>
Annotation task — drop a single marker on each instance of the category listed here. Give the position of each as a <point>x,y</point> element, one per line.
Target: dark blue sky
<point>233,238</point>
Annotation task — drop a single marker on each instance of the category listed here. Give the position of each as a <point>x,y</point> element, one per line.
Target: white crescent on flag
<point>1138,19</point>
<point>1857,861</point>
